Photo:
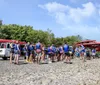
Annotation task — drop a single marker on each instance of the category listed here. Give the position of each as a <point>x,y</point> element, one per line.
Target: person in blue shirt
<point>53,53</point>
<point>93,53</point>
<point>82,52</point>
<point>38,47</point>
<point>88,53</point>
<point>50,53</point>
<point>11,52</point>
<point>66,51</point>
<point>27,48</point>
<point>17,52</point>
<point>31,48</point>
<point>61,51</point>
<point>77,53</point>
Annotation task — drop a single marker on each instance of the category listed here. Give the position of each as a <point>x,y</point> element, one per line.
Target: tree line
<point>29,34</point>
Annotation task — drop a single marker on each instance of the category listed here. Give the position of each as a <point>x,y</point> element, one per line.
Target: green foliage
<point>71,40</point>
<point>0,22</point>
<point>27,33</point>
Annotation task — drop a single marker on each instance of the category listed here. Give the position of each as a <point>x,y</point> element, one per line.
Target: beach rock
<point>58,73</point>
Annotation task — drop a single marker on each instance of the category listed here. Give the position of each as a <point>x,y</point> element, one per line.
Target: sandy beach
<point>59,73</point>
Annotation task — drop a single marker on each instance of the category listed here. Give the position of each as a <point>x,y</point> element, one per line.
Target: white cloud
<point>54,7</point>
<point>77,20</point>
<point>78,14</point>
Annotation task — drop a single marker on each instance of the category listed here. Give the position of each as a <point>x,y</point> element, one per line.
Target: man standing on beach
<point>54,52</point>
<point>38,52</point>
<point>66,51</point>
<point>27,51</point>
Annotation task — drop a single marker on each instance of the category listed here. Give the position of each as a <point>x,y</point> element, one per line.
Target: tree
<point>27,33</point>
<point>0,22</point>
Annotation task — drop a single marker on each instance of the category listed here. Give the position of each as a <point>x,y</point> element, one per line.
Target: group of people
<point>39,53</point>
<point>82,52</point>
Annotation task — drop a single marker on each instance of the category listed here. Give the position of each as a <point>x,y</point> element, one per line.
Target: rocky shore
<point>58,73</point>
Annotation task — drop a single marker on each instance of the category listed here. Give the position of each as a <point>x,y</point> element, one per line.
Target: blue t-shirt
<point>66,48</point>
<point>60,49</point>
<point>93,51</point>
<point>46,50</point>
<point>38,46</point>
<point>83,48</point>
<point>31,48</point>
<point>28,47</point>
<point>16,47</point>
<point>53,49</point>
<point>50,50</point>
<point>76,49</point>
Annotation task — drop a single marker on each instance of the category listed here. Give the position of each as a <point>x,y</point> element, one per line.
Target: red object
<point>90,44</point>
<point>11,41</point>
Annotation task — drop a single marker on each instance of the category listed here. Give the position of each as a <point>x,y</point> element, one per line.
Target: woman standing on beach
<point>82,53</point>
<point>61,53</point>
<point>53,49</point>
<point>11,52</point>
<point>43,53</point>
<point>31,53</point>
<point>17,52</point>
<point>93,53</point>
<point>27,47</point>
<point>38,52</point>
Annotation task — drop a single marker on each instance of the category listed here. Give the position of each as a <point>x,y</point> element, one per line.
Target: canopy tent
<point>90,44</point>
<point>86,41</point>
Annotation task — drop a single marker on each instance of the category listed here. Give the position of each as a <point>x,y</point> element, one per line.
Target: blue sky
<point>63,17</point>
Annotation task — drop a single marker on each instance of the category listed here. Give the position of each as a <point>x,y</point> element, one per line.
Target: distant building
<point>90,44</point>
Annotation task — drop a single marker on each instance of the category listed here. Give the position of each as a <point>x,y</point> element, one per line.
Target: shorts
<point>16,52</point>
<point>82,51</point>
<point>51,54</point>
<point>32,52</point>
<point>93,54</point>
<point>38,55</point>
<point>67,54</point>
<point>12,50</point>
<point>28,54</point>
<point>88,55</point>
